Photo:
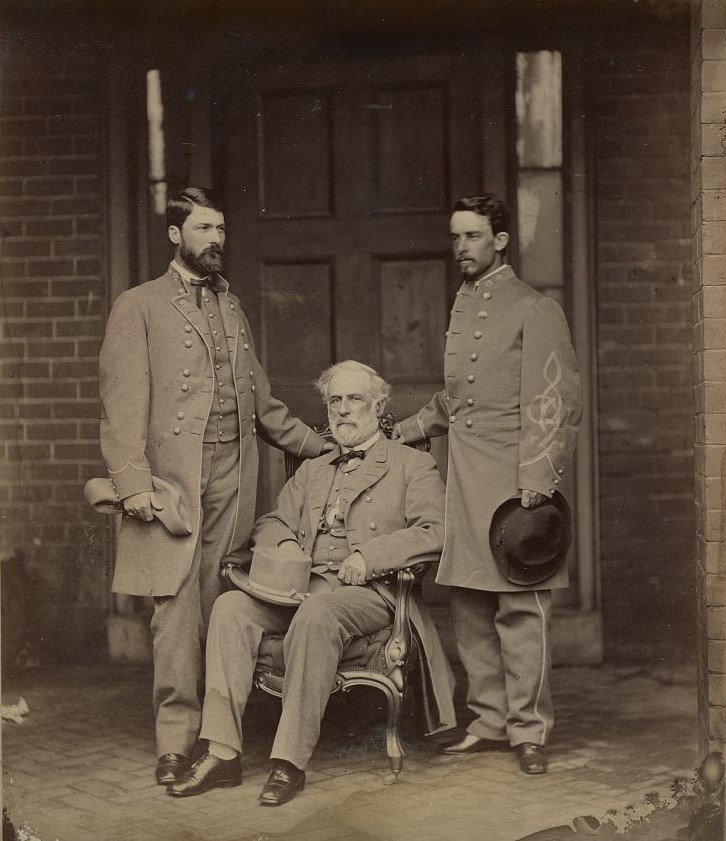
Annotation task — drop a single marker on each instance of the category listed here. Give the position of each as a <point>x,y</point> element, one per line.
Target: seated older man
<point>370,506</point>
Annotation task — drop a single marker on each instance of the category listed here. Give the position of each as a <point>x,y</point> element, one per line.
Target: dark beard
<point>209,261</point>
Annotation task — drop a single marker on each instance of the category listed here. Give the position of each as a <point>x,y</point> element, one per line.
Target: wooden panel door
<point>339,178</point>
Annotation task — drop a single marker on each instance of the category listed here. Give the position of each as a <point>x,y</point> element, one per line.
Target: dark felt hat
<point>530,544</point>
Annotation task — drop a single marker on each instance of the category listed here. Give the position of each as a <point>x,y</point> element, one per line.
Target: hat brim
<point>526,575</point>
<point>240,578</point>
<point>170,509</point>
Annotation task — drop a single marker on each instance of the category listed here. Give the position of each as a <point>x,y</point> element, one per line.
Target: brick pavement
<point>80,767</point>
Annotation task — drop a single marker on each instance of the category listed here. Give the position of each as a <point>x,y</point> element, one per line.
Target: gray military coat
<point>394,517</point>
<point>156,383</point>
<point>511,406</point>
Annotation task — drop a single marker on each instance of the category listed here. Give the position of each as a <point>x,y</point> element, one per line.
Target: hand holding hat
<point>167,505</point>
<point>530,544</point>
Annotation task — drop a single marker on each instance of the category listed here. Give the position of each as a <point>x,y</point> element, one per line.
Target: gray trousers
<point>503,641</point>
<point>316,634</point>
<point>179,624</point>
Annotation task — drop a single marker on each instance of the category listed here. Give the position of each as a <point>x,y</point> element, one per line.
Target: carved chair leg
<point>393,741</point>
<point>393,696</point>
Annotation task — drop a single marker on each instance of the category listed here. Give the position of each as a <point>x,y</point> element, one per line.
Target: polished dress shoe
<point>170,767</point>
<point>473,744</point>
<point>283,784</point>
<point>205,773</point>
<point>532,758</point>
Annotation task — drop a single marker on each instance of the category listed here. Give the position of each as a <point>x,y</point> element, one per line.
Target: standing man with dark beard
<point>183,397</point>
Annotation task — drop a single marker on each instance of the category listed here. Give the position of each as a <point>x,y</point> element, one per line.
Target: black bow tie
<point>348,456</point>
<point>213,282</point>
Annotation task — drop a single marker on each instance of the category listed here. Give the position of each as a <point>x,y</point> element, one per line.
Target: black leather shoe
<point>206,773</point>
<point>170,767</point>
<point>532,758</point>
<point>282,785</point>
<point>473,744</point>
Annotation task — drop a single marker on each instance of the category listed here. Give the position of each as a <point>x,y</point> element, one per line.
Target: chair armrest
<point>398,646</point>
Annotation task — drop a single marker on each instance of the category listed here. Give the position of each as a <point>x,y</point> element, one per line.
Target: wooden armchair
<point>385,660</point>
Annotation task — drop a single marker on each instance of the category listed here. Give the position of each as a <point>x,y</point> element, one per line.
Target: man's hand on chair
<point>353,570</point>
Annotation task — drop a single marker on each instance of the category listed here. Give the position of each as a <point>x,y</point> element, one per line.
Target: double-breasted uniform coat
<point>157,376</point>
<point>511,407</point>
<point>392,510</point>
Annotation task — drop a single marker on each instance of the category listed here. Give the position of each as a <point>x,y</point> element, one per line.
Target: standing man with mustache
<point>183,398</point>
<point>511,408</point>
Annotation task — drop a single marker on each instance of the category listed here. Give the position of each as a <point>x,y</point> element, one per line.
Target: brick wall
<point>708,220</point>
<point>53,307</point>
<point>640,102</point>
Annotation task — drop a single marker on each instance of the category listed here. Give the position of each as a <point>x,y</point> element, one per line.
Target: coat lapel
<point>231,324</point>
<point>374,466</point>
<point>185,303</point>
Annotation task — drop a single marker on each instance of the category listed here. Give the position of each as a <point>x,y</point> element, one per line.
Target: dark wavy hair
<point>490,206</point>
<point>180,205</point>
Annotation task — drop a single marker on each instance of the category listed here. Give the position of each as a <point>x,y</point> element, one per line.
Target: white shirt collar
<point>366,445</point>
<point>184,273</point>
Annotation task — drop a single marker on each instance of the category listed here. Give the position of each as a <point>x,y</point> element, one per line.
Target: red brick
<point>29,452</point>
<point>52,267</point>
<point>26,370</point>
<point>13,269</point>
<point>48,227</point>
<point>82,206</point>
<point>23,166</point>
<point>48,186</point>
<point>26,248</point>
<point>34,410</point>
<point>88,226</point>
<point>69,124</point>
<point>88,266</point>
<point>73,452</point>
<point>76,369</point>
<point>54,349</point>
<point>25,329</point>
<point>50,431</point>
<point>50,308</point>
<point>24,207</point>
<point>11,186</point>
<point>46,146</point>
<point>50,390</point>
<point>27,126</point>
<point>78,327</point>
<point>90,145</point>
<point>88,389</point>
<point>70,287</point>
<point>76,246</point>
<point>89,347</point>
<point>73,165</point>
<point>79,409</point>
